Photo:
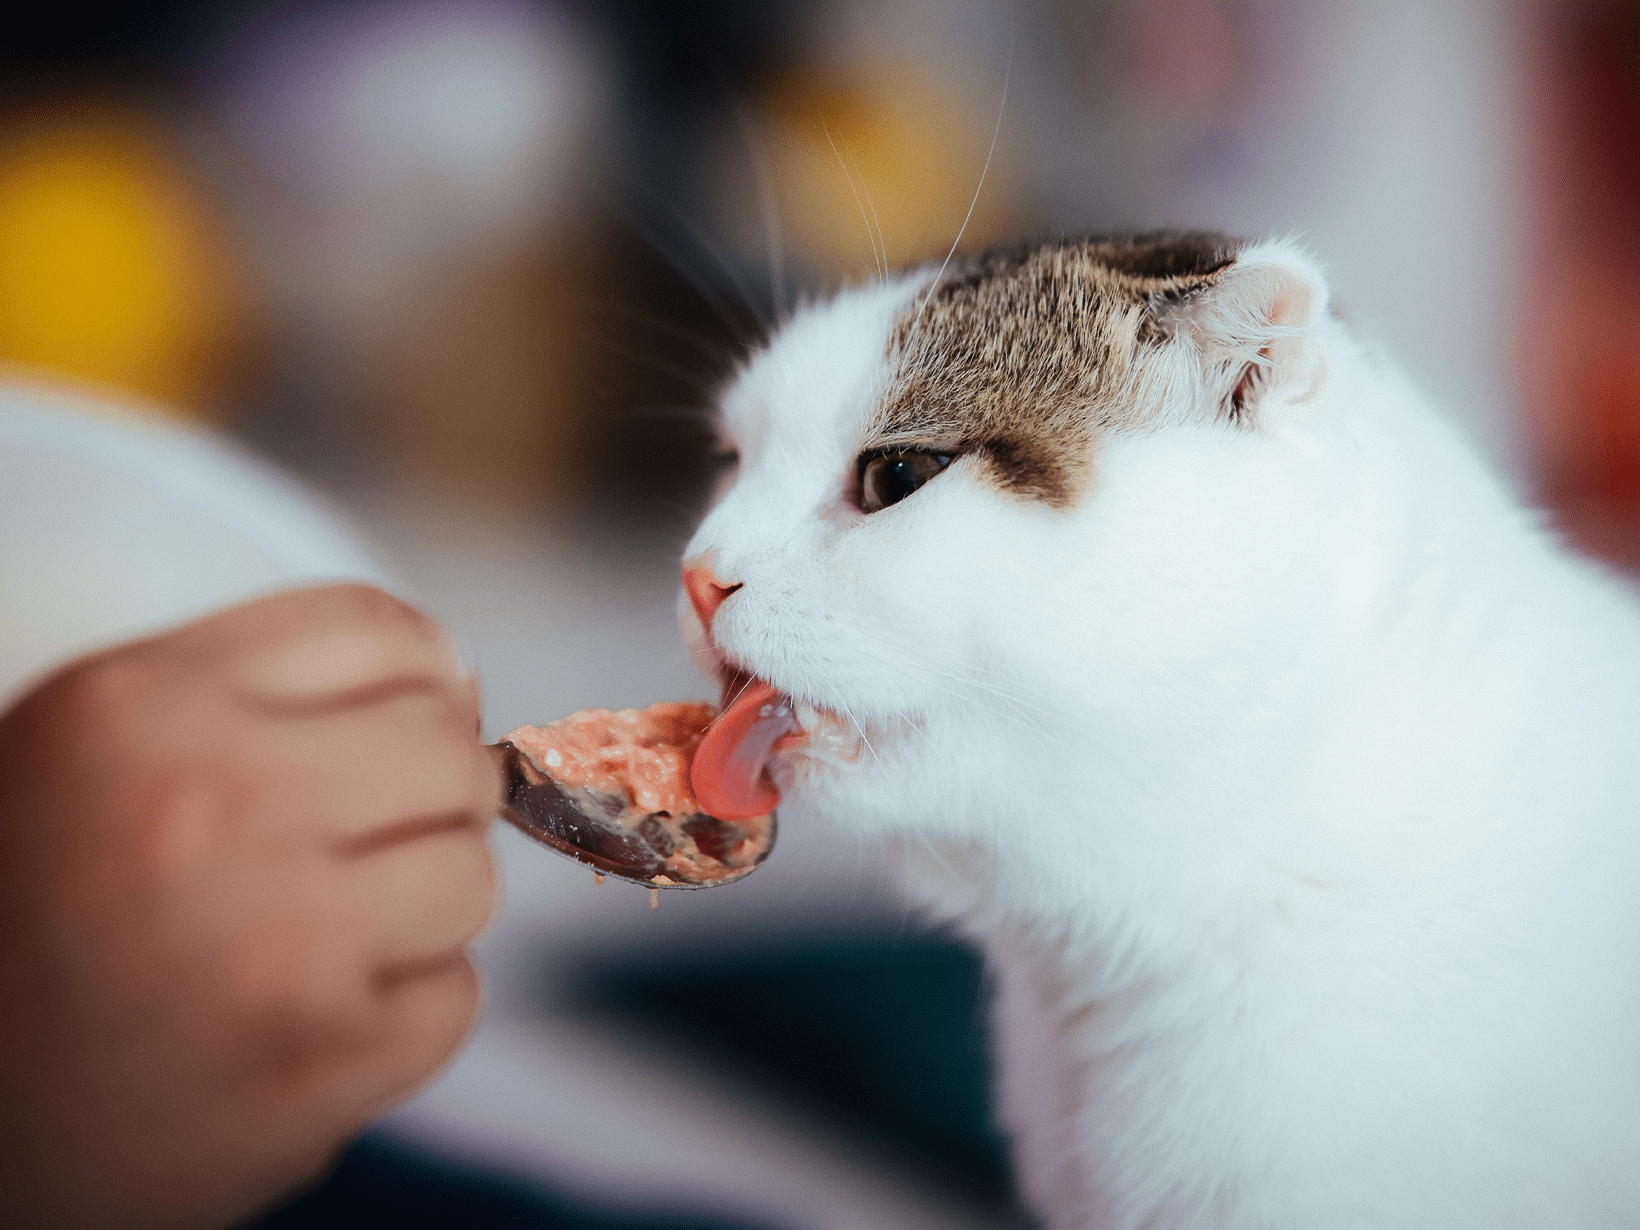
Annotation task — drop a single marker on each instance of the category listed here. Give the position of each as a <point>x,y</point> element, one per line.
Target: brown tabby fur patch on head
<point>1026,355</point>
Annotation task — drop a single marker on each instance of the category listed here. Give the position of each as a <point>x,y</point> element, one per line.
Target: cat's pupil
<point>899,480</point>
<point>887,478</point>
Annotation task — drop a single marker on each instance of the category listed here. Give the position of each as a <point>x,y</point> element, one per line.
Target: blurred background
<point>473,269</point>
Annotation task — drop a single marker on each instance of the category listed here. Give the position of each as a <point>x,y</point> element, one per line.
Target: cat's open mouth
<point>758,722</point>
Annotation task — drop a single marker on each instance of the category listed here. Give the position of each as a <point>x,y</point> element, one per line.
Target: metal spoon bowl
<point>657,850</point>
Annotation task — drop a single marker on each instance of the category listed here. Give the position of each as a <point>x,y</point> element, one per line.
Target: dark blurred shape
<point>1580,338</point>
<point>381,1182</point>
<point>134,40</point>
<point>675,310</point>
<point>688,55</point>
<point>659,348</point>
<point>882,1034</point>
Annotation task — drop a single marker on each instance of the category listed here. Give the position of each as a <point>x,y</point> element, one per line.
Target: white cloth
<point>115,523</point>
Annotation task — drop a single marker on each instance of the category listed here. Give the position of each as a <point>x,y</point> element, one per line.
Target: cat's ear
<point>1256,330</point>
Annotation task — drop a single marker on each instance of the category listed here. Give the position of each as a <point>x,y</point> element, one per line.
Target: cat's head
<point>999,522</point>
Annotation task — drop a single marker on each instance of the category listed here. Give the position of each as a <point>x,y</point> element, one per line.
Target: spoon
<point>657,850</point>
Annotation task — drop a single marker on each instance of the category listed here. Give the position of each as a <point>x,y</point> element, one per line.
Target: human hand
<point>240,866</point>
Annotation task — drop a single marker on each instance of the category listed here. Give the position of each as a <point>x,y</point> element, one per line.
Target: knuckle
<point>370,602</point>
<point>175,839</point>
<point>409,639</point>
<point>390,615</point>
<point>106,686</point>
<point>283,1006</point>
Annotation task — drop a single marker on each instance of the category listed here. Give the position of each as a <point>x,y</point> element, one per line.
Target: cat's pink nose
<point>706,592</point>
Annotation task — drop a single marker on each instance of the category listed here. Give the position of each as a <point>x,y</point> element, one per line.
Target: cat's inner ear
<point>1256,329</point>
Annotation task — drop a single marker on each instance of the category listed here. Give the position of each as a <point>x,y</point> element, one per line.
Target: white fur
<point>1291,779</point>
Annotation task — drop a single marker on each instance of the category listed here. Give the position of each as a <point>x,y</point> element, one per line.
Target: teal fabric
<point>382,1182</point>
<point>882,1033</point>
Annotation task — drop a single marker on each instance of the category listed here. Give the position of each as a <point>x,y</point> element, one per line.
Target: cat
<point>1285,767</point>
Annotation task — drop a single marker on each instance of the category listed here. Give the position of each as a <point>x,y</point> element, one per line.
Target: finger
<point>415,900</point>
<point>355,777</point>
<point>423,1022</point>
<point>366,1060</point>
<point>334,646</point>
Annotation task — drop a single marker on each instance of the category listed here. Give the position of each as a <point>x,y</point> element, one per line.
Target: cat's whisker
<point>935,852</point>
<point>882,242</point>
<point>972,700</point>
<point>998,690</point>
<point>861,731</point>
<point>691,412</point>
<point>769,206</point>
<point>683,375</point>
<point>1002,691</point>
<point>713,349</point>
<point>721,259</point>
<point>700,284</point>
<point>876,259</point>
<point>824,758</point>
<point>1002,106</point>
<point>973,674</point>
<point>730,702</point>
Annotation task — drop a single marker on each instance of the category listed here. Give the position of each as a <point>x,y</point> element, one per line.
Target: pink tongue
<point>727,775</point>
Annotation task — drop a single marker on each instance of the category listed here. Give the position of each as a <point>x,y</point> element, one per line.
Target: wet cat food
<point>613,789</point>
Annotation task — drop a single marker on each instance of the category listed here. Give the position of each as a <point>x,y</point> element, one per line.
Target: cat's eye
<point>887,478</point>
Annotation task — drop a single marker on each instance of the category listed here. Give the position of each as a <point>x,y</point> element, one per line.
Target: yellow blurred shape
<point>110,272</point>
<point>891,154</point>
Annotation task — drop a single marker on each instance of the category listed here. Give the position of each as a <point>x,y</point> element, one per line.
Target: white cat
<point>1287,769</point>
